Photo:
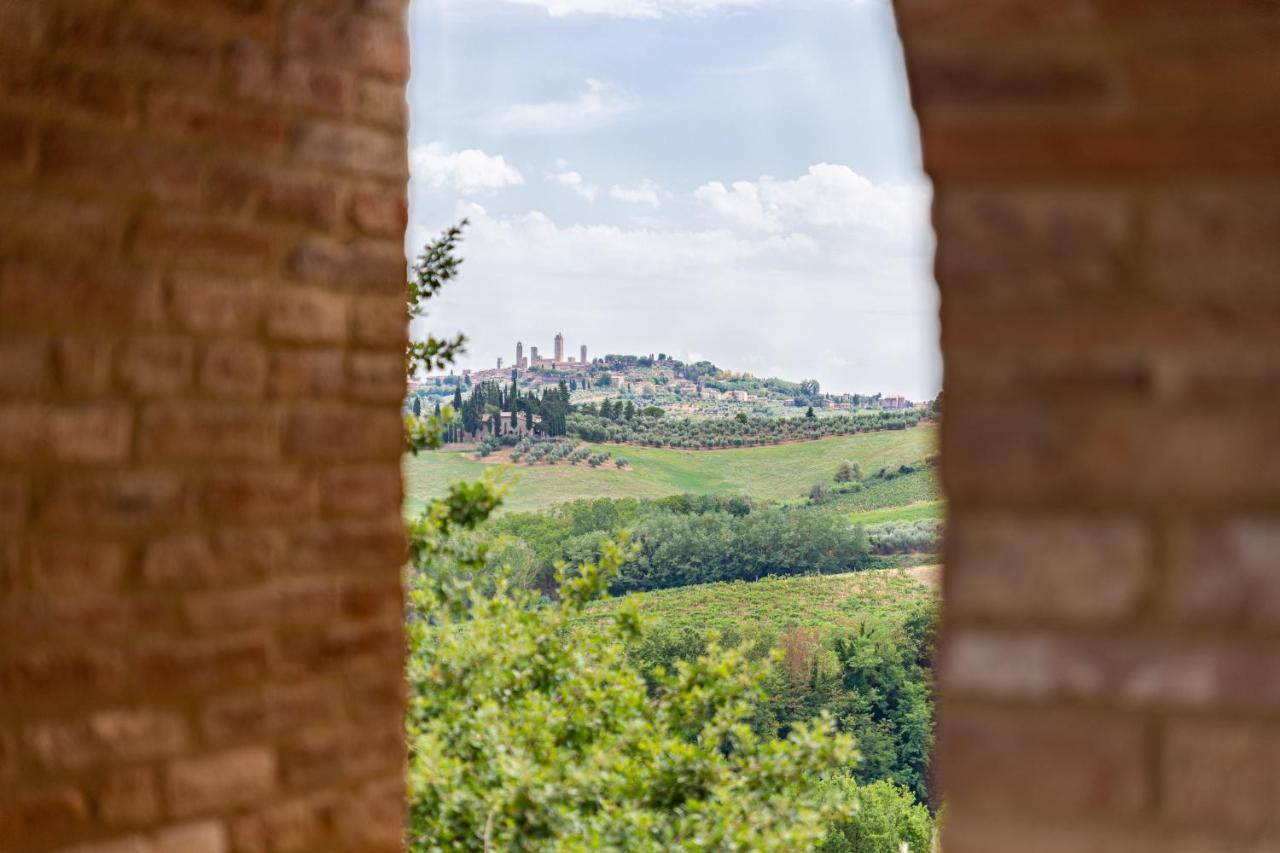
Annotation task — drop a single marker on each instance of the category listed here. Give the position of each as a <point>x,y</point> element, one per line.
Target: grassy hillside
<point>775,472</point>
<point>830,603</point>
<point>918,511</point>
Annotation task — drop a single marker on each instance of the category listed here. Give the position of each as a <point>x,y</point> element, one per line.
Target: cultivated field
<point>776,472</point>
<point>831,603</point>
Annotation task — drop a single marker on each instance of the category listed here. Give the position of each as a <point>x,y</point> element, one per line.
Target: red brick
<point>24,366</point>
<point>345,545</point>
<point>341,754</point>
<point>124,500</point>
<point>13,501</point>
<point>1215,245</point>
<point>234,369</point>
<point>215,121</point>
<point>205,836</point>
<point>1109,455</point>
<point>1147,670</point>
<point>372,599</point>
<point>24,24</point>
<point>373,267</point>
<point>63,673</point>
<point>1226,72</point>
<point>191,561</point>
<point>107,737</point>
<point>381,322</point>
<point>222,662</point>
<point>72,92</point>
<point>270,710</point>
<point>146,45</point>
<point>259,495</point>
<point>361,490</point>
<point>293,84</point>
<point>118,168</point>
<point>321,431</point>
<point>368,45</point>
<point>55,227</point>
<point>366,647</point>
<point>383,213</point>
<point>207,305</point>
<point>1078,569</point>
<point>1043,762</point>
<point>65,566</point>
<point>377,698</point>
<point>299,824</point>
<point>15,146</point>
<point>294,600</point>
<point>1225,572</point>
<point>155,367</point>
<point>203,431</point>
<point>129,797</point>
<point>221,781</point>
<point>71,433</point>
<point>376,376</point>
<point>85,365</point>
<point>356,150</point>
<point>371,820</point>
<point>308,373</point>
<point>1222,774</point>
<point>1101,151</point>
<point>301,315</point>
<point>988,80</point>
<point>69,298</point>
<point>382,103</point>
<point>1055,247</point>
<point>195,241</point>
<point>43,814</point>
<point>274,197</point>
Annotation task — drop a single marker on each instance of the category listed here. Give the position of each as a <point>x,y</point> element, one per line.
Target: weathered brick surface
<point>203,208</point>
<point>1107,207</point>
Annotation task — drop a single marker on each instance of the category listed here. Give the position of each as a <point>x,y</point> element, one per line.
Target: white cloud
<point>826,197</point>
<point>645,192</point>
<point>650,9</point>
<point>468,172</point>
<point>599,104</point>
<point>574,181</point>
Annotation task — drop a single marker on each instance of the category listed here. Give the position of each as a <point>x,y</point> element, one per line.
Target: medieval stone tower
<point>559,347</point>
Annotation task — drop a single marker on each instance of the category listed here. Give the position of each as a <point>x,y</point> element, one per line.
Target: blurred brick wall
<point>202,208</point>
<point>1108,216</point>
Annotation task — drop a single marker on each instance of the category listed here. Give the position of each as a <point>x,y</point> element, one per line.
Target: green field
<point>765,473</point>
<point>918,511</point>
<point>830,603</point>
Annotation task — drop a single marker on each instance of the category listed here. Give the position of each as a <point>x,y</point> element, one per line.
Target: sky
<point>734,180</point>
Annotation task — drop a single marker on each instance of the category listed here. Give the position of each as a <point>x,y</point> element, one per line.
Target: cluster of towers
<point>557,361</point>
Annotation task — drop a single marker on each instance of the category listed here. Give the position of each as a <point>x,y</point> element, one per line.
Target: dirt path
<point>930,576</point>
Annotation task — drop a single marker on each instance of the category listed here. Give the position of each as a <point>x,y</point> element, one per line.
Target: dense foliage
<point>526,738</point>
<point>713,433</point>
<point>685,539</point>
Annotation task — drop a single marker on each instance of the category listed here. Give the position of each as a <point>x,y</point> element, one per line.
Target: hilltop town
<point>700,389</point>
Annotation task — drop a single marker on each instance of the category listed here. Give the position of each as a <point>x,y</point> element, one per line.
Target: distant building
<point>583,359</point>
<point>499,362</point>
<point>894,403</point>
<point>533,356</point>
<point>559,347</point>
<point>519,353</point>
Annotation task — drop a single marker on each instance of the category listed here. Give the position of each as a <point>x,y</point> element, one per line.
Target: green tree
<point>888,820</point>
<point>630,411</point>
<point>417,407</point>
<point>810,413</point>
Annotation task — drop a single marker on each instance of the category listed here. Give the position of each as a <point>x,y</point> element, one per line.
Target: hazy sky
<point>737,180</point>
